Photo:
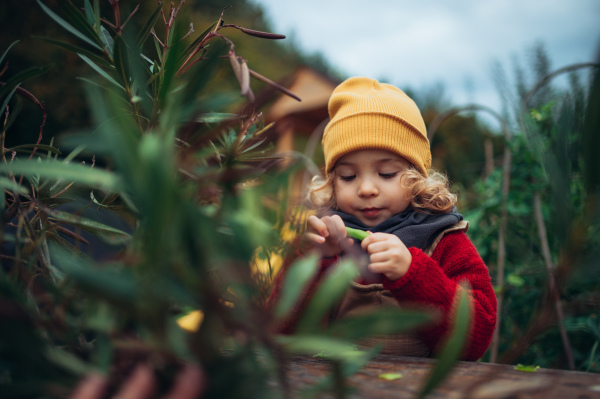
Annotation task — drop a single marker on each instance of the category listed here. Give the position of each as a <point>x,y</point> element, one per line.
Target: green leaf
<point>20,78</point>
<point>330,291</point>
<point>145,31</point>
<point>100,71</point>
<point>528,369</point>
<point>453,347</point>
<point>58,170</point>
<point>296,279</point>
<point>89,12</point>
<point>390,376</point>
<point>69,362</point>
<point>318,344</point>
<point>101,204</point>
<point>107,233</point>
<point>7,50</point>
<point>186,53</point>
<point>51,149</point>
<point>68,26</point>
<point>111,282</point>
<point>6,101</point>
<point>515,280</point>
<point>349,367</point>
<point>77,50</point>
<point>77,17</point>
<point>7,184</point>
<point>107,41</point>
<point>384,321</point>
<point>121,58</point>
<point>216,117</point>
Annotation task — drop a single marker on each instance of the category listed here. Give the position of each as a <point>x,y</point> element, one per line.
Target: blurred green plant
<point>177,188</point>
<point>545,290</point>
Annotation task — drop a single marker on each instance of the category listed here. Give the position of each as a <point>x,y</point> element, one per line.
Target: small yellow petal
<point>192,321</point>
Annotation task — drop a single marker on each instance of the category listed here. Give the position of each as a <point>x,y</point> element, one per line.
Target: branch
<point>537,204</point>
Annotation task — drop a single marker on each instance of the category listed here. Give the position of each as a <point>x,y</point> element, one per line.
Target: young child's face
<point>367,184</point>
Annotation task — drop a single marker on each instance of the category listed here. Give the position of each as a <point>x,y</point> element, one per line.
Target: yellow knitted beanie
<point>366,114</point>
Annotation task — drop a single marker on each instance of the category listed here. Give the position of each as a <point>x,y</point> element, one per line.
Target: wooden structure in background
<point>299,125</point>
<point>296,119</point>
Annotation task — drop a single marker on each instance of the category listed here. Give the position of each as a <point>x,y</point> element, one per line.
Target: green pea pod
<point>358,234</point>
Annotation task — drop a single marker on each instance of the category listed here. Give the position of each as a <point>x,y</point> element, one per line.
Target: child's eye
<point>388,175</point>
<point>348,178</point>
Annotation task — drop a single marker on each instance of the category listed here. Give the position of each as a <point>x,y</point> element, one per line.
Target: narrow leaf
<point>384,321</point>
<point>7,50</point>
<point>109,282</point>
<point>21,77</point>
<point>186,53</point>
<point>100,71</point>
<point>79,20</point>
<point>58,170</point>
<point>89,12</point>
<point>7,184</point>
<point>121,60</point>
<point>145,32</point>
<point>44,147</point>
<point>107,233</point>
<point>330,291</point>
<point>68,26</point>
<point>297,277</point>
<point>6,101</point>
<point>77,50</point>
<point>216,117</point>
<point>453,347</point>
<point>317,344</point>
<point>107,40</point>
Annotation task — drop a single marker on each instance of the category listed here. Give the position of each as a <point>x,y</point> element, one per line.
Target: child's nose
<point>367,188</point>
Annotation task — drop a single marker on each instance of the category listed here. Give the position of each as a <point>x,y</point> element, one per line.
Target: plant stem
<point>554,292</point>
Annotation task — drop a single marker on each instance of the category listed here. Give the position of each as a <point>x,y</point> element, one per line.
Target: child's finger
<point>378,267</point>
<point>379,257</point>
<point>315,238</point>
<point>375,247</point>
<point>373,238</point>
<point>317,225</point>
<point>340,227</point>
<point>336,232</point>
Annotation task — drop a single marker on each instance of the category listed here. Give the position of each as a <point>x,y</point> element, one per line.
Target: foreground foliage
<point>112,235</point>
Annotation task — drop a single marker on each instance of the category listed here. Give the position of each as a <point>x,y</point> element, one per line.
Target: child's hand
<point>326,235</point>
<point>388,255</point>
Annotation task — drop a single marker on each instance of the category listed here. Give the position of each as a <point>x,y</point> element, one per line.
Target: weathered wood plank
<point>468,380</point>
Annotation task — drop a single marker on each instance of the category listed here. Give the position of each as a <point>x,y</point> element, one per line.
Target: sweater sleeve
<point>434,281</point>
<point>288,326</point>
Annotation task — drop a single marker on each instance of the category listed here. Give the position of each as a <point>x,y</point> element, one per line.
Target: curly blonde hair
<point>427,194</point>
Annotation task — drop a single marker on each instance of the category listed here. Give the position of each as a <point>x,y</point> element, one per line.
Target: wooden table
<point>467,380</point>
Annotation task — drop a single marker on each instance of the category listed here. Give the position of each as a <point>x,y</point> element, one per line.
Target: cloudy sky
<point>455,42</point>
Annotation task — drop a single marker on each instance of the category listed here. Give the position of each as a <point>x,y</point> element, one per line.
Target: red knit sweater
<point>429,282</point>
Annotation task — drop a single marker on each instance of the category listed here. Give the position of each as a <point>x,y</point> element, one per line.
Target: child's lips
<point>370,212</point>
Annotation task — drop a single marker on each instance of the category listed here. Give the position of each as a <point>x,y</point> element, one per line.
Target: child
<point>377,162</point>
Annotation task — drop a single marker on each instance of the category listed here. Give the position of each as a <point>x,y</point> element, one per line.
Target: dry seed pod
<point>264,35</point>
<point>235,65</point>
<point>245,83</point>
<point>274,84</point>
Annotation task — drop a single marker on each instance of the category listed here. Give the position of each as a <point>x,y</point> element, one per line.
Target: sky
<point>420,44</point>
